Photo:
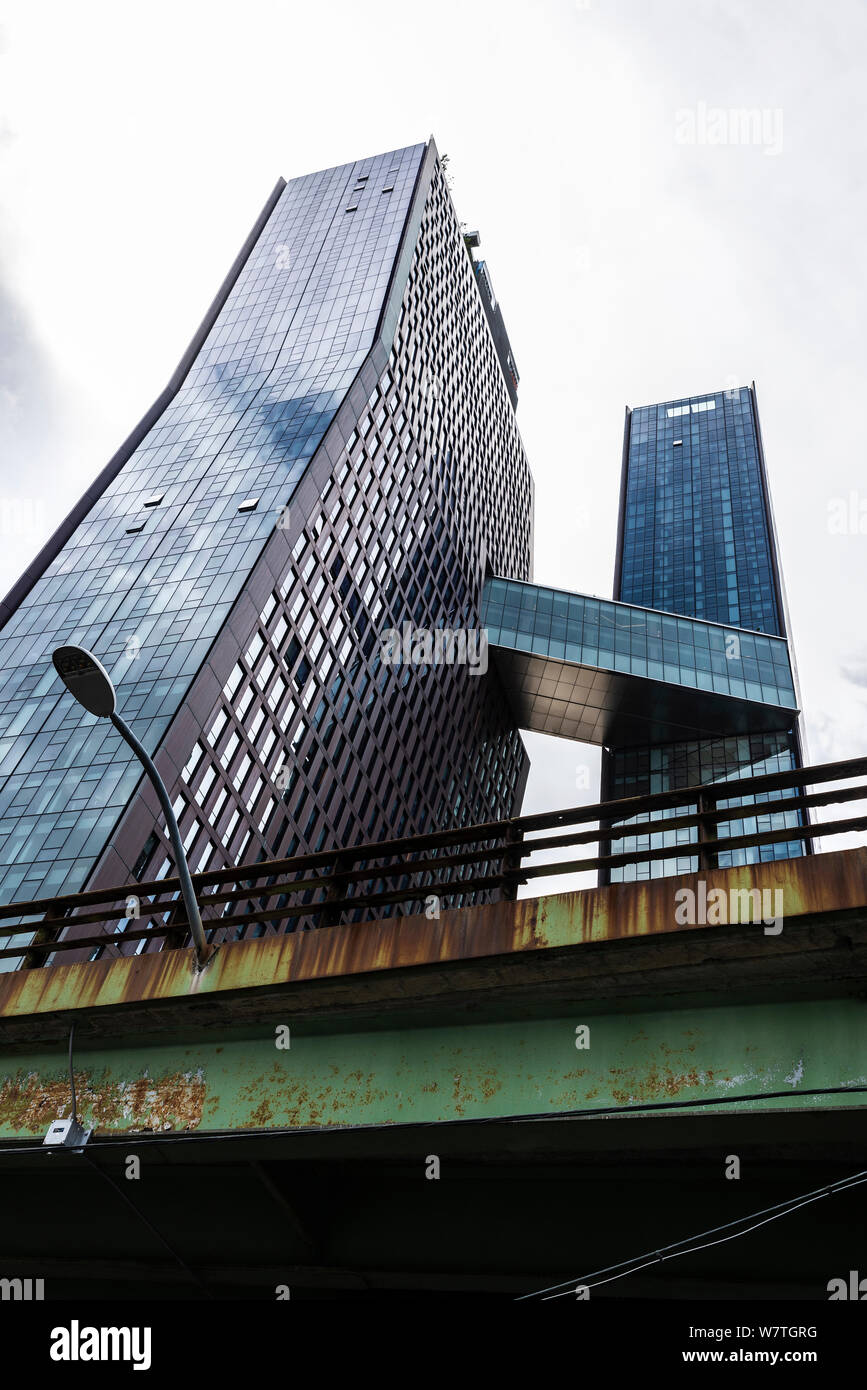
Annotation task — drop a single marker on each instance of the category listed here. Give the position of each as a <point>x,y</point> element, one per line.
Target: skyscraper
<point>696,537</point>
<point>336,455</point>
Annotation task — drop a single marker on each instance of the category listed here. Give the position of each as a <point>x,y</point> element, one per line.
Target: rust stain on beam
<point>30,1103</point>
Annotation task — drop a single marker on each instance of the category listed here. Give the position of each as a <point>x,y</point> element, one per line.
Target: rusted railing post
<point>33,959</point>
<point>329,915</point>
<point>512,862</point>
<point>707,830</point>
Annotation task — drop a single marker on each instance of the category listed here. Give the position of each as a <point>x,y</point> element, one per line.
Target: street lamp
<point>87,679</point>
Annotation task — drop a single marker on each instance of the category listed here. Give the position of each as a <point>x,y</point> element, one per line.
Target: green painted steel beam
<point>451,1072</point>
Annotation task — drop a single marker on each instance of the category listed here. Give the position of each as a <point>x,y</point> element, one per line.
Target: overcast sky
<point>643,241</point>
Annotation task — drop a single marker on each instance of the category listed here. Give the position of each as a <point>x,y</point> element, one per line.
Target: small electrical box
<point>67,1134</point>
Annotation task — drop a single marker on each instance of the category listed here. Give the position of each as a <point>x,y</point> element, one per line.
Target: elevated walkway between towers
<point>611,673</point>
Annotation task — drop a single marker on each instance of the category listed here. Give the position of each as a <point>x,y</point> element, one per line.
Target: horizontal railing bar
<point>525,848</point>
<point>382,849</point>
<point>696,847</point>
<point>424,890</point>
<point>521,848</point>
<point>525,873</point>
<point>86,919</point>
<point>694,819</point>
<point>464,885</point>
<point>275,890</point>
<point>503,837</point>
<point>445,890</point>
<point>265,915</point>
<point>78,943</point>
<point>337,905</point>
<point>89,920</point>
<point>711,791</point>
<point>622,809</point>
<point>341,876</point>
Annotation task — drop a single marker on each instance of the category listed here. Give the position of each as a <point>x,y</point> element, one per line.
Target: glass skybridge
<point>611,673</point>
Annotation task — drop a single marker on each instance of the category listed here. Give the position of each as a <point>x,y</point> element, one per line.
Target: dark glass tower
<point>336,455</point>
<point>696,538</point>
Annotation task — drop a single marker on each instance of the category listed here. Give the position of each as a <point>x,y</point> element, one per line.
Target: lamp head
<point>86,678</point>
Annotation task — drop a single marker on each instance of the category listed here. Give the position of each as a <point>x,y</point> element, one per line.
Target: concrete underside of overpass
<point>306,1165</point>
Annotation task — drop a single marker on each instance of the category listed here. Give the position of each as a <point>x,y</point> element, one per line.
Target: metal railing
<point>325,888</point>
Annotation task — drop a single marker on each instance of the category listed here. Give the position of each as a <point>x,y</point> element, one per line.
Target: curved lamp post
<point>87,680</point>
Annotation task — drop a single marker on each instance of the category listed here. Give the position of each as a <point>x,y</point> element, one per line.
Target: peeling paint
<point>796,1075</point>
<point>144,1105</point>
